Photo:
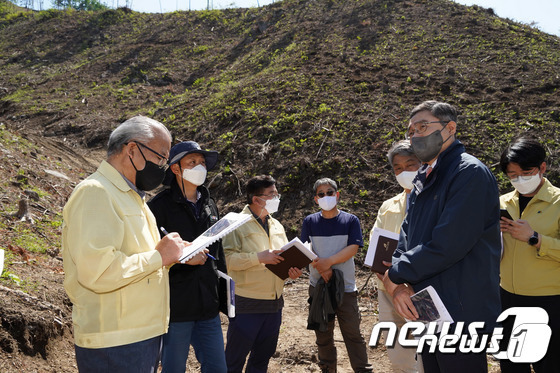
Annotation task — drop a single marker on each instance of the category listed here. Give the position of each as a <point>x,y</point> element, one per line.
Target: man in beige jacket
<point>113,257</point>
<point>405,165</point>
<point>258,291</point>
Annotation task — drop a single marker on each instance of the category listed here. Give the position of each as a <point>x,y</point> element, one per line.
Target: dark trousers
<point>550,363</point>
<point>348,316</point>
<point>141,357</point>
<point>256,333</point>
<point>457,362</point>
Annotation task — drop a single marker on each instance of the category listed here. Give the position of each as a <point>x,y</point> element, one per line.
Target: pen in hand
<point>162,229</point>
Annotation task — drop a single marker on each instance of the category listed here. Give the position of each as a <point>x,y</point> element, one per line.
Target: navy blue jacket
<point>450,238</point>
<point>194,290</point>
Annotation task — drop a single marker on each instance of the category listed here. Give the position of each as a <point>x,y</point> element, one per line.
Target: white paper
<point>230,293</point>
<point>303,247</point>
<point>1,260</point>
<point>224,226</point>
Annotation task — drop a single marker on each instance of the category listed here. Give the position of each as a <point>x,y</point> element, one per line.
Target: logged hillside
<point>300,89</point>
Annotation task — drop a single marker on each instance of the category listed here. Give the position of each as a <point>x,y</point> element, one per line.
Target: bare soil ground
<point>35,313</point>
<point>44,341</point>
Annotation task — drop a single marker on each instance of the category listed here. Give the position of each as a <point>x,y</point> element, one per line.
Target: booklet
<point>430,308</point>
<point>295,254</point>
<point>230,222</point>
<point>382,245</point>
<point>227,294</point>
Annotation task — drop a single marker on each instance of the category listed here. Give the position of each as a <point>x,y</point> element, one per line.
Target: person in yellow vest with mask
<point>405,165</point>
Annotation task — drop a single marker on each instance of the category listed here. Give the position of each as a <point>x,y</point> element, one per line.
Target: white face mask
<point>527,186</point>
<point>195,175</point>
<point>327,203</point>
<point>405,179</point>
<point>272,205</point>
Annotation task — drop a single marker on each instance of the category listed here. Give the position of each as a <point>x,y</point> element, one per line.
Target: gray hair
<point>403,148</point>
<point>441,110</point>
<point>324,181</point>
<point>138,128</point>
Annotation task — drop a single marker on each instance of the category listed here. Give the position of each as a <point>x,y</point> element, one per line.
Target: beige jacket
<point>113,274</point>
<point>252,278</point>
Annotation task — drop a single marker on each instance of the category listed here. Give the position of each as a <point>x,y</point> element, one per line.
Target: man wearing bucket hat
<point>186,207</point>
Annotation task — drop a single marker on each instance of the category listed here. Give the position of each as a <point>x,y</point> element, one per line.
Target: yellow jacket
<point>252,278</point>
<point>113,275</point>
<point>390,217</point>
<point>524,270</point>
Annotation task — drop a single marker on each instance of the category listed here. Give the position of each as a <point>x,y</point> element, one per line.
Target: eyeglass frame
<point>162,165</point>
<point>329,193</point>
<point>425,124</point>
<point>525,177</point>
<point>277,195</point>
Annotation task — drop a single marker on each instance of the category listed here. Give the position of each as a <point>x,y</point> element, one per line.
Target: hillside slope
<point>299,89</point>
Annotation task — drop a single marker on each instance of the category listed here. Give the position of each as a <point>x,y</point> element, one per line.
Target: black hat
<point>178,151</point>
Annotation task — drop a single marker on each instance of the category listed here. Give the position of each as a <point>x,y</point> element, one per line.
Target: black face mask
<point>150,176</point>
<point>428,147</point>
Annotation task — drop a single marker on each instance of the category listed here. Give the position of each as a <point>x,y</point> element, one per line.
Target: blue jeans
<point>207,340</point>
<point>256,333</point>
<point>141,357</point>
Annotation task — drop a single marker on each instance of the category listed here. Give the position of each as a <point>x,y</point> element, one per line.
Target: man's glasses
<point>269,195</point>
<point>329,193</point>
<point>162,159</point>
<point>516,178</point>
<point>420,128</point>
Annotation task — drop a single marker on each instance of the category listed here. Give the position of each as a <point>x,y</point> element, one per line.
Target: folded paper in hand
<point>430,308</point>
<point>230,222</point>
<point>295,254</point>
<point>382,245</point>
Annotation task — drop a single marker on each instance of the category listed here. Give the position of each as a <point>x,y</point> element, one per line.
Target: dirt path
<point>296,351</point>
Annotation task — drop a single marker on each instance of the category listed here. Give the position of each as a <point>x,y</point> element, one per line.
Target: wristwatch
<point>534,239</point>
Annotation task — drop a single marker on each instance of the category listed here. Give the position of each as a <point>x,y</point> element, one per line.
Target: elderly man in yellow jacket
<point>258,291</point>
<point>113,257</point>
<point>405,165</point>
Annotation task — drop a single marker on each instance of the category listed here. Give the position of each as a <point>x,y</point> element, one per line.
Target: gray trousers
<point>348,316</point>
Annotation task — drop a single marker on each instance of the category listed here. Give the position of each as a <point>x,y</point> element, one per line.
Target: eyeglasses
<point>162,159</point>
<point>421,127</point>
<point>329,193</point>
<point>524,177</point>
<point>270,195</point>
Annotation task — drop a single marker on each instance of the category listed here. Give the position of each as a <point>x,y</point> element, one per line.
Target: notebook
<point>295,254</point>
<point>382,245</point>
<point>230,222</point>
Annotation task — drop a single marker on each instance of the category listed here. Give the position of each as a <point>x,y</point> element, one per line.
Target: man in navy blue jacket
<point>450,238</point>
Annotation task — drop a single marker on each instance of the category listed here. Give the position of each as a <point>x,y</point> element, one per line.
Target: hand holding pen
<point>170,248</point>
<point>199,258</point>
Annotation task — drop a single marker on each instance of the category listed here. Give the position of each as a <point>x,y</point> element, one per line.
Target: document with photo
<point>430,308</point>
<point>230,222</point>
